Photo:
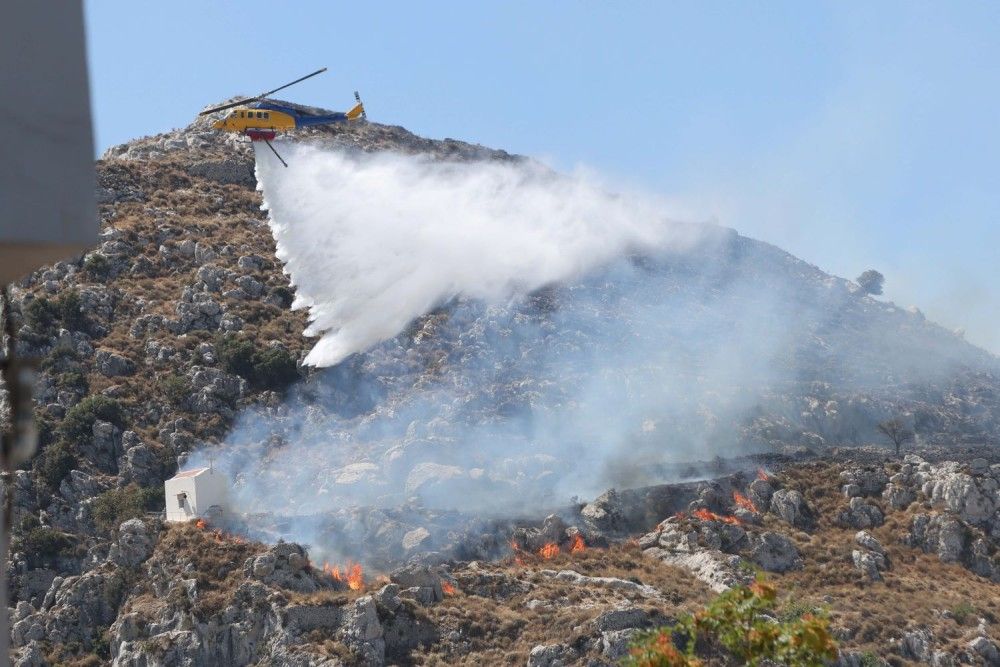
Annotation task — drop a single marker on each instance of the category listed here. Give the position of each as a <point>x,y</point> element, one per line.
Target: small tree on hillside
<point>871,282</point>
<point>896,432</point>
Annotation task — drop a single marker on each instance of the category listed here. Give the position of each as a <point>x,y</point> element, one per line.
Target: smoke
<point>498,339</point>
<point>372,242</point>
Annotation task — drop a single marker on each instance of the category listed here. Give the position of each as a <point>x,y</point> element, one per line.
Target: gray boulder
<point>111,364</point>
<point>871,564</point>
<point>133,546</point>
<point>870,480</point>
<point>869,542</point>
<point>362,631</point>
<point>552,655</point>
<point>760,492</point>
<point>861,514</point>
<point>792,507</point>
<point>986,649</point>
<point>420,582</point>
<point>916,645</point>
<point>774,552</point>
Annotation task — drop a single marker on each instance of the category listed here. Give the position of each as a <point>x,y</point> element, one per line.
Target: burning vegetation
<point>352,575</point>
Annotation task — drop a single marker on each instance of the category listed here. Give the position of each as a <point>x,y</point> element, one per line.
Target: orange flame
<point>708,515</point>
<point>577,544</point>
<point>744,502</point>
<point>516,548</point>
<point>200,524</point>
<point>352,575</point>
<point>447,588</point>
<point>762,475</point>
<point>550,550</point>
<point>355,578</point>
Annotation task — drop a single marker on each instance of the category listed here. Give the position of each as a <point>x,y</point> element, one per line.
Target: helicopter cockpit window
<point>260,114</point>
<point>267,115</point>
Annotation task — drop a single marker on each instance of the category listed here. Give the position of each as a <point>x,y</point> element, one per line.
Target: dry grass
<point>504,632</point>
<point>915,592</point>
<point>217,561</point>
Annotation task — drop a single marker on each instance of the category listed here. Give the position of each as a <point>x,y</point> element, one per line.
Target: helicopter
<point>261,119</point>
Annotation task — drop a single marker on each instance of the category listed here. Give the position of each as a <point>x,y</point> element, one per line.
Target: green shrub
<point>274,368</point>
<point>41,545</point>
<point>74,380</point>
<point>78,426</point>
<point>284,295</point>
<point>29,522</point>
<point>71,311</point>
<point>962,612</point>
<point>235,355</point>
<point>271,368</point>
<point>739,621</point>
<point>97,266</point>
<point>59,359</point>
<point>56,462</point>
<point>113,507</point>
<point>41,315</point>
<point>177,389</point>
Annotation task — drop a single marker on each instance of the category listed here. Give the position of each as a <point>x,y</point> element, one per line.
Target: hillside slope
<point>177,332</point>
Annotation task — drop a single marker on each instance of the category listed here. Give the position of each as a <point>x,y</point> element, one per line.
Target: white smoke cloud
<point>373,241</point>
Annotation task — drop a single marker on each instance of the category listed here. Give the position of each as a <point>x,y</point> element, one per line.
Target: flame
<point>355,578</point>
<point>680,515</point>
<point>550,550</point>
<point>516,548</point>
<point>708,515</point>
<point>447,588</point>
<point>762,475</point>
<point>200,524</point>
<point>352,575</point>
<point>577,544</point>
<point>744,502</point>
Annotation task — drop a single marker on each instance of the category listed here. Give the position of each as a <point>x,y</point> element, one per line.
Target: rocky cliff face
<point>179,325</point>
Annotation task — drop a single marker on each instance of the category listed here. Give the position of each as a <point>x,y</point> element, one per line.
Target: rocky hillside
<point>177,332</point>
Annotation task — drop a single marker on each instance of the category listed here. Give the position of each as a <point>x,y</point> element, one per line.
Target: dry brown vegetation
<point>503,632</point>
<point>918,591</point>
<point>217,561</point>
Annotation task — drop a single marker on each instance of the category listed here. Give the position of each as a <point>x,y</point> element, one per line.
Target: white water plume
<point>373,241</point>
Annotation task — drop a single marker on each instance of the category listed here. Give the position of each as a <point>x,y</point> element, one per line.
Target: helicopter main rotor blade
<point>307,76</point>
<point>230,105</point>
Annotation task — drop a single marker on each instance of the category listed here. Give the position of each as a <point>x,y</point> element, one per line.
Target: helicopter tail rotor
<point>359,109</point>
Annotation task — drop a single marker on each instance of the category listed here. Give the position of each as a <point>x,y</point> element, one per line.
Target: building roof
<point>194,472</point>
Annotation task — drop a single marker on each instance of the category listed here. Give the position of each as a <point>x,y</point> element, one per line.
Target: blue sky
<point>854,135</point>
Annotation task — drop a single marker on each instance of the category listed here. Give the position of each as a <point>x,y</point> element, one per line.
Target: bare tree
<point>897,432</point>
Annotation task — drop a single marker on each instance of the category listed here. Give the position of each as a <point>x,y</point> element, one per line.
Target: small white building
<point>191,493</point>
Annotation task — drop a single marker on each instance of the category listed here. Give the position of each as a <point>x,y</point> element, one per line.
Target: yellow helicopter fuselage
<point>243,119</point>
